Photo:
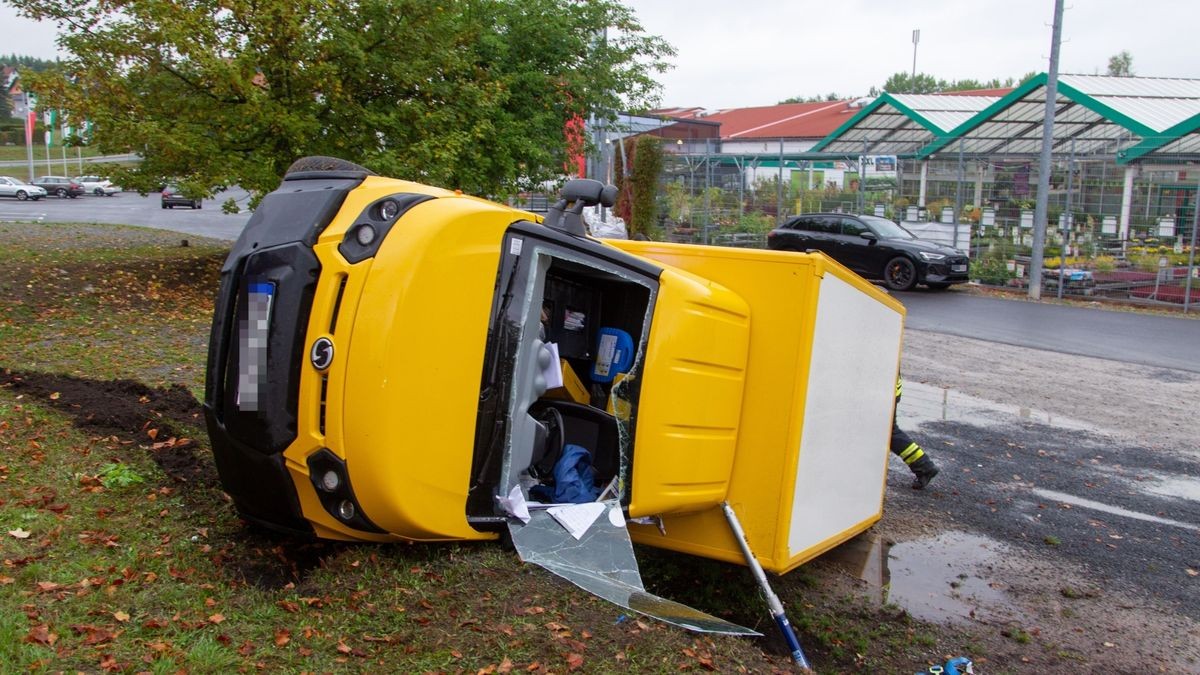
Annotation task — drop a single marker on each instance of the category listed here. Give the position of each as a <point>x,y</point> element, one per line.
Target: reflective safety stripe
<point>912,453</point>
<point>899,386</point>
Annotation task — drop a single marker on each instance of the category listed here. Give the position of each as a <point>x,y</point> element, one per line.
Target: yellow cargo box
<point>816,412</point>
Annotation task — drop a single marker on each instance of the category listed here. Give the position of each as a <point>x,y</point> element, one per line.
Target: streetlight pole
<point>913,81</point>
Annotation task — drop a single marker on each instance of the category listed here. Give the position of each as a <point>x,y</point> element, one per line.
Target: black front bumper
<point>943,272</point>
<point>250,431</point>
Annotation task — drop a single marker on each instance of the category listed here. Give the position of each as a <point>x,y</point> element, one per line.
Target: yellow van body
<point>377,348</point>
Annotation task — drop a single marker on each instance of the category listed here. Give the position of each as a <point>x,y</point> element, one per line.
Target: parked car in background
<point>13,187</point>
<point>97,185</point>
<point>60,186</point>
<point>172,197</point>
<point>875,248</point>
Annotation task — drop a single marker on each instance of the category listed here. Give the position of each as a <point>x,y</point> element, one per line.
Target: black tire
<point>900,274</point>
<point>939,286</point>
<point>99,192</point>
<point>60,193</point>
<point>22,195</point>
<point>165,206</point>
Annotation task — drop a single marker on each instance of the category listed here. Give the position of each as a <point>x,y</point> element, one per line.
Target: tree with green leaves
<point>830,97</point>
<point>469,94</point>
<point>1121,64</point>
<point>923,83</point>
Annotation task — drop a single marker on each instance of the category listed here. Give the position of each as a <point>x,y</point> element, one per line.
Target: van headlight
<point>932,256</point>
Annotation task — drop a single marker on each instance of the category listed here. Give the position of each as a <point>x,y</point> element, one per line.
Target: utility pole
<point>1043,194</point>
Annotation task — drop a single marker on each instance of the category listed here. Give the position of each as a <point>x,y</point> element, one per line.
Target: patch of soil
<point>129,410</point>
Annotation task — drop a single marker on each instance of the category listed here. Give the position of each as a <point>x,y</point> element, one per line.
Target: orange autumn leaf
<point>41,634</point>
<point>216,618</point>
<point>120,616</point>
<point>282,637</point>
<point>574,661</point>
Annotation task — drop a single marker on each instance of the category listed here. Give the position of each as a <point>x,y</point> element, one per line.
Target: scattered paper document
<point>577,518</point>
<point>514,504</point>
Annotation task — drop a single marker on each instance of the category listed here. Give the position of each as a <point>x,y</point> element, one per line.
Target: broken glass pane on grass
<point>601,562</point>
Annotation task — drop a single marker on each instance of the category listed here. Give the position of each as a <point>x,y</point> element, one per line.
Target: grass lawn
<point>18,153</point>
<point>121,553</point>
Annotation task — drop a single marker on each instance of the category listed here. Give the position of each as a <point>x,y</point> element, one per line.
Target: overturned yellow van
<point>395,362</point>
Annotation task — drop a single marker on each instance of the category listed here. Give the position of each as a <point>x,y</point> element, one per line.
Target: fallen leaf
<point>1190,572</point>
<point>282,637</point>
<point>47,585</point>
<point>343,647</point>
<point>506,666</point>
<point>4,581</point>
<point>288,606</point>
<point>216,618</point>
<point>55,396</point>
<point>574,661</point>
<point>120,616</point>
<point>19,533</point>
<point>1109,644</point>
<point>41,634</point>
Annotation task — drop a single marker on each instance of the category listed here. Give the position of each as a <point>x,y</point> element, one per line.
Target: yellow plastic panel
<point>414,366</point>
<point>690,397</point>
<point>397,420</point>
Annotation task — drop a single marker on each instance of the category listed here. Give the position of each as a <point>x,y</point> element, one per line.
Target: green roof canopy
<point>901,124</point>
<point>1100,114</point>
<point>1181,141</point>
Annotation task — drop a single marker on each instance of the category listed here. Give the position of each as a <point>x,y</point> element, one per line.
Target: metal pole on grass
<point>1187,292</point>
<point>760,576</point>
<point>1039,209</point>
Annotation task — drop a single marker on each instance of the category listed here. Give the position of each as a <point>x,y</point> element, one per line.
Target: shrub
<point>991,271</point>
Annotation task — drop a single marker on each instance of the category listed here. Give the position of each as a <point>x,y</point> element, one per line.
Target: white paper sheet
<point>577,518</point>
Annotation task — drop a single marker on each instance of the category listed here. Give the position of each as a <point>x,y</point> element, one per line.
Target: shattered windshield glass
<point>601,561</point>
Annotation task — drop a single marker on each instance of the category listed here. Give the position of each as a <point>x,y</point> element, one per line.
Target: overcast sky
<point>740,53</point>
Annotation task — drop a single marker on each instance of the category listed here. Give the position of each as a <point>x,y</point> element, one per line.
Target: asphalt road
<point>1162,341</point>
<point>130,208</point>
<point>1144,339</point>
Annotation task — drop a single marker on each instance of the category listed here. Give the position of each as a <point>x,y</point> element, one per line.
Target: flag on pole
<point>50,117</point>
<point>30,118</point>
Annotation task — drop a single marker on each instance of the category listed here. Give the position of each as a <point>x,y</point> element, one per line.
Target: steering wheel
<point>543,467</point>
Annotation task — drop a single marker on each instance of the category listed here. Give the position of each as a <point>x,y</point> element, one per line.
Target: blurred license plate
<point>958,268</point>
<point>253,332</point>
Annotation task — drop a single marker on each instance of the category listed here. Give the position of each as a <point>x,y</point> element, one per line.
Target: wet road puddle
<point>1182,487</point>
<point>940,579</point>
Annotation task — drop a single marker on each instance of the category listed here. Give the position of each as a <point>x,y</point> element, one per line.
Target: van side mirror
<point>565,214</point>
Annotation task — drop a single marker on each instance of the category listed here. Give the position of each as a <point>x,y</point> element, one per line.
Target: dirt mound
<point>129,410</point>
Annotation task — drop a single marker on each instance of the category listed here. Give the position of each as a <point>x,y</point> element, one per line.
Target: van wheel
<point>900,274</point>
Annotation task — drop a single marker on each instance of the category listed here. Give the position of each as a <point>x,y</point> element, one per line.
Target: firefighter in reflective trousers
<point>917,459</point>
